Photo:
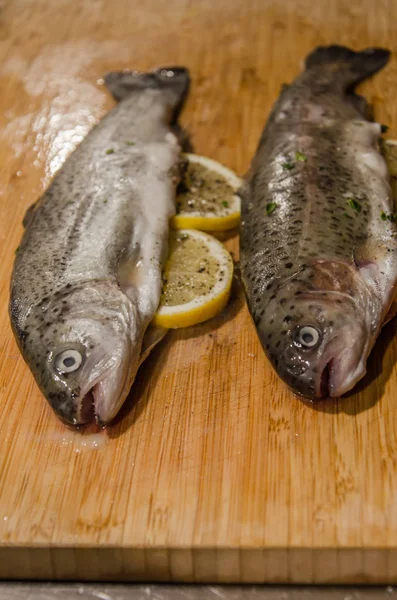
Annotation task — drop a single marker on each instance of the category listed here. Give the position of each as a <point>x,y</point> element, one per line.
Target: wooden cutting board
<point>214,471</point>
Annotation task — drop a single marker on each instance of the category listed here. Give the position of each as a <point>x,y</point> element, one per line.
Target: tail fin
<point>345,64</point>
<point>176,79</point>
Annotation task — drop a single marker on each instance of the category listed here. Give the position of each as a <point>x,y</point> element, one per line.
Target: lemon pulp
<point>207,196</point>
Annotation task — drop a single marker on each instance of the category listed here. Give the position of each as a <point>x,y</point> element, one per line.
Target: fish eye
<point>307,337</point>
<point>68,361</point>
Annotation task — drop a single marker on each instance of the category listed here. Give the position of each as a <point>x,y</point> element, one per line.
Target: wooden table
<point>215,471</point>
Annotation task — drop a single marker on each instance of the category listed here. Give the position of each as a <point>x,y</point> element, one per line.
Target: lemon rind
<point>204,223</point>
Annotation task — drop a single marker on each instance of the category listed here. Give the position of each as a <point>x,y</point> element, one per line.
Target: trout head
<point>318,329</point>
<point>83,348</point>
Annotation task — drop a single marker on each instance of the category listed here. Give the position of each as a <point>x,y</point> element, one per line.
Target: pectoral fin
<point>371,252</point>
<point>377,264</point>
<point>152,337</point>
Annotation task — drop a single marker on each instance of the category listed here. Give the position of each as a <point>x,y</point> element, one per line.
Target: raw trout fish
<point>88,273</point>
<point>318,246</point>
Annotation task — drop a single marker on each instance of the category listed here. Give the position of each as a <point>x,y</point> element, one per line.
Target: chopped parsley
<point>288,165</point>
<point>130,143</point>
<point>300,156</point>
<point>388,217</point>
<point>354,204</point>
<point>110,151</point>
<point>384,128</point>
<point>270,207</point>
<point>225,203</point>
<point>105,200</point>
<point>16,250</point>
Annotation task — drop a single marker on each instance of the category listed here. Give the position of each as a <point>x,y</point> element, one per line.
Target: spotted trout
<point>318,241</point>
<point>87,276</point>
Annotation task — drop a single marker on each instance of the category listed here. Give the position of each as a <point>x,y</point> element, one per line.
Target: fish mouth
<point>89,408</point>
<point>101,403</point>
<point>86,411</point>
<point>338,377</point>
<point>324,387</point>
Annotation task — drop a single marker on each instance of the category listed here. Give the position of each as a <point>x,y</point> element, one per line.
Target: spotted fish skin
<point>319,265</point>
<point>87,275</point>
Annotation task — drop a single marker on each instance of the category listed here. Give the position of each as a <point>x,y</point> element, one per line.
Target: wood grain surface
<point>214,471</point>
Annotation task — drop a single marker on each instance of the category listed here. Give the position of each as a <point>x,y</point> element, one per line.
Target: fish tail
<point>347,66</point>
<point>175,80</point>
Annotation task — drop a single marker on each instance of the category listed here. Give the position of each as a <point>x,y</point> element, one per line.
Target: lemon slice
<point>197,280</point>
<point>206,196</point>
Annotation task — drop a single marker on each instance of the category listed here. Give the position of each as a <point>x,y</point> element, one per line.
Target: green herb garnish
<point>130,143</point>
<point>105,200</point>
<point>384,128</point>
<point>388,217</point>
<point>110,151</point>
<point>300,156</point>
<point>354,204</point>
<point>288,165</point>
<point>225,203</point>
<point>270,207</point>
<point>16,250</point>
